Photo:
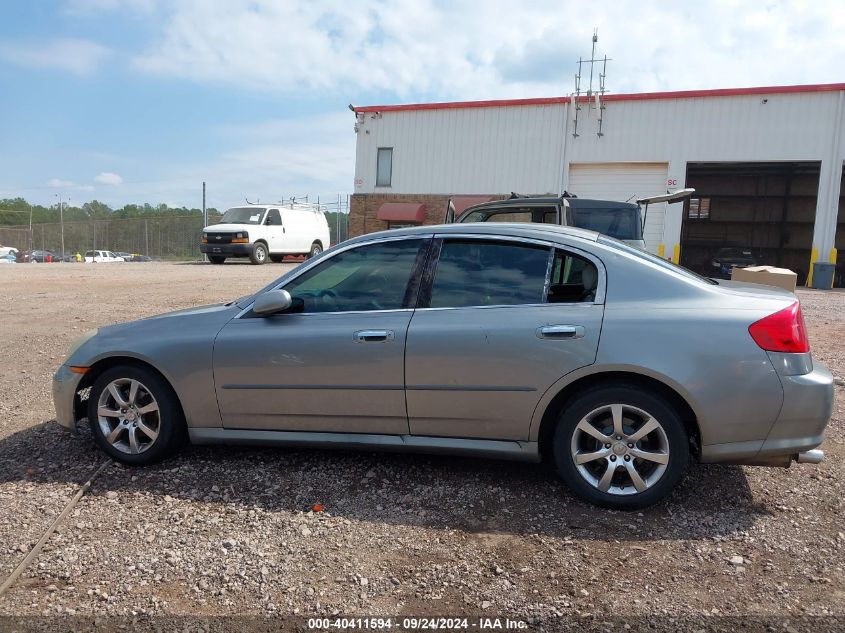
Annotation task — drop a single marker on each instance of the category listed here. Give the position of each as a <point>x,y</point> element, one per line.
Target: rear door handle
<point>373,336</point>
<point>561,332</point>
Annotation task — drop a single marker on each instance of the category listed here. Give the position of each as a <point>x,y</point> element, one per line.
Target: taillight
<point>783,331</point>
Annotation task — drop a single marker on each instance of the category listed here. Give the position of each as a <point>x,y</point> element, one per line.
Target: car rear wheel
<point>316,249</point>
<point>216,259</point>
<point>620,447</point>
<point>259,253</point>
<point>134,415</point>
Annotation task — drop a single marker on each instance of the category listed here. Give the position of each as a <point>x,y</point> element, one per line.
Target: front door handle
<point>561,332</point>
<point>373,336</point>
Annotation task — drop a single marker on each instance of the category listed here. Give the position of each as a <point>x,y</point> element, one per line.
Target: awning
<point>462,203</point>
<point>402,212</point>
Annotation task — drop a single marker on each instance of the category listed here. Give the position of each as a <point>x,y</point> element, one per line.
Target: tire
<point>276,259</point>
<point>259,253</point>
<point>597,408</point>
<point>316,249</point>
<point>216,259</point>
<point>155,410</point>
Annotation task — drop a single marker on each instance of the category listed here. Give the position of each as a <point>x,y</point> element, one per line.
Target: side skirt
<point>495,449</point>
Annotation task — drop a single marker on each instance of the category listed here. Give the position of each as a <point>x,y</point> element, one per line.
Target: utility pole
<point>30,228</point>
<point>204,215</point>
<point>62,224</point>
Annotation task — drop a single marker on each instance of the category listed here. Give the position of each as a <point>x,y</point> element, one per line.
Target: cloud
<point>77,56</point>
<point>108,178</point>
<point>498,48</point>
<point>57,183</point>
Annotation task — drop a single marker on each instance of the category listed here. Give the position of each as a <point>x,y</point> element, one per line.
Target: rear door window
<point>573,279</point>
<point>485,273</point>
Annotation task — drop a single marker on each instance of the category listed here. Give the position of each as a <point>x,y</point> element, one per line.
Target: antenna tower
<point>593,97</point>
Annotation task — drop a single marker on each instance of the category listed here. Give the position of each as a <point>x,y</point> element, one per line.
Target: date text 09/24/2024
<point>418,624</point>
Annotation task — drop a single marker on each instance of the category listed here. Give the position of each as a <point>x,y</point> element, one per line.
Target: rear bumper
<point>807,407</point>
<point>65,385</point>
<point>227,250</point>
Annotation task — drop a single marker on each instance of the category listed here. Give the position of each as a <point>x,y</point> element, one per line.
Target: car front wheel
<point>134,415</point>
<point>620,447</point>
<point>259,253</point>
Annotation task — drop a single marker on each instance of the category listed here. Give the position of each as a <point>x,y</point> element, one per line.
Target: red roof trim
<point>638,96</point>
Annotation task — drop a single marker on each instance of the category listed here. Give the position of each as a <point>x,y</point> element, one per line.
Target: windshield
<point>242,215</point>
<point>623,223</point>
<point>654,259</point>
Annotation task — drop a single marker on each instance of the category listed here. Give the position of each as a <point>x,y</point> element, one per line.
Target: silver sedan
<point>499,340</point>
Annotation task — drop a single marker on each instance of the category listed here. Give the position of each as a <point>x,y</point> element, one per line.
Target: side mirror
<point>272,302</point>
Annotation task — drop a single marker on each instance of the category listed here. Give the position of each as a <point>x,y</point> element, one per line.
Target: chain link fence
<point>165,237</point>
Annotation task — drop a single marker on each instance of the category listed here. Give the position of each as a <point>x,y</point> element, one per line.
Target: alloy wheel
<point>128,416</point>
<point>620,449</point>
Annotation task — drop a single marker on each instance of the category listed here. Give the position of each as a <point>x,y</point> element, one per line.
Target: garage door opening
<point>768,209</point>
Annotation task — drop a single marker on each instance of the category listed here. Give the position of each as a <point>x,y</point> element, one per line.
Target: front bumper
<point>227,250</point>
<point>65,386</point>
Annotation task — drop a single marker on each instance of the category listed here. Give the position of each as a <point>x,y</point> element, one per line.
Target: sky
<point>142,100</point>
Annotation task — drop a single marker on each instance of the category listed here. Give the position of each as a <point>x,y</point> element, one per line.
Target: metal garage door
<point>624,182</point>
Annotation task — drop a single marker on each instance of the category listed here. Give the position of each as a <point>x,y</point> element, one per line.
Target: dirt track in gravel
<point>224,531</point>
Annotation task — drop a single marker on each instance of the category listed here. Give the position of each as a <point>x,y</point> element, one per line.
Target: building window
<point>384,166</point>
<point>699,209</point>
<point>400,225</point>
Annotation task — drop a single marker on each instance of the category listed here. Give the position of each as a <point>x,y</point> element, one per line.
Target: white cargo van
<point>267,231</point>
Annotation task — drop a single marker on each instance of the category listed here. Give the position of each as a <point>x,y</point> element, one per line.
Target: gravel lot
<point>228,531</point>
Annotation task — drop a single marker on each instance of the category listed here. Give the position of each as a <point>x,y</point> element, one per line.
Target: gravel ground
<point>228,531</point>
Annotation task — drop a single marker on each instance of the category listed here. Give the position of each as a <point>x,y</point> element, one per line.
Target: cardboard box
<point>768,275</point>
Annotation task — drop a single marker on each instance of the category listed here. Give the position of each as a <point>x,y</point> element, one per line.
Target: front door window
<point>372,277</point>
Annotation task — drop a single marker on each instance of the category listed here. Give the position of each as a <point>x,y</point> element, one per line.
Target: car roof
<point>573,202</point>
<point>493,229</point>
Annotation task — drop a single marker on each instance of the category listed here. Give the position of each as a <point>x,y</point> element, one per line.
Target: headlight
<point>79,341</point>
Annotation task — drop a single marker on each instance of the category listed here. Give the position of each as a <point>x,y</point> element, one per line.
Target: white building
<point>766,163</point>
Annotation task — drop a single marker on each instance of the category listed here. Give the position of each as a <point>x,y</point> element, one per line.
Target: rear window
<point>654,259</point>
<point>623,223</point>
<point>534,213</point>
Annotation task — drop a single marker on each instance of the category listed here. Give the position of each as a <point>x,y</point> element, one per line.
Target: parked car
<point>8,250</point>
<point>515,341</point>
<point>617,219</point>
<point>267,231</point>
<point>101,256</point>
<point>127,257</point>
<point>726,259</point>
<point>39,257</point>
<point>141,258</point>
<point>9,258</point>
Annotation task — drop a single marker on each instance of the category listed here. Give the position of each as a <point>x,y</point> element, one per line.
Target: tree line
<point>16,211</point>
